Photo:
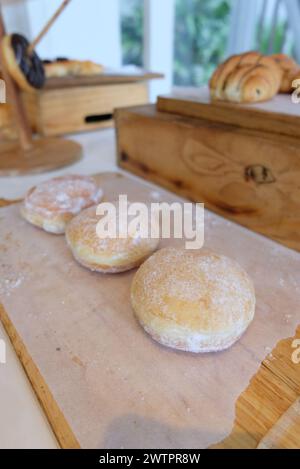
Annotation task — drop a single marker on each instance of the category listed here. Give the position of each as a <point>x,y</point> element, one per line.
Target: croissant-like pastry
<point>64,67</point>
<point>246,78</point>
<point>290,69</point>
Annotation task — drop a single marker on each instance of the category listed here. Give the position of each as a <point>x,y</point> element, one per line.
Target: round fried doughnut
<point>26,68</point>
<point>195,301</point>
<point>52,204</point>
<point>108,254</point>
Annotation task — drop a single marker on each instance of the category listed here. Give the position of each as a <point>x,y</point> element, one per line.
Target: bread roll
<point>195,301</point>
<point>290,70</point>
<point>64,68</point>
<point>107,254</point>
<point>246,78</point>
<point>52,204</point>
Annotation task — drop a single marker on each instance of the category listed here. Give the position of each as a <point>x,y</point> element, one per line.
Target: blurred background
<point>184,39</point>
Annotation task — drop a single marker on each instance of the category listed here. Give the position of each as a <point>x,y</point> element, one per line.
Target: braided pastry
<point>290,69</point>
<point>246,78</point>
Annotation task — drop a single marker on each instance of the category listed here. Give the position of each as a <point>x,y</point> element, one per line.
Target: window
<point>201,36</point>
<point>205,31</point>
<point>132,26</point>
<point>273,32</point>
<point>201,31</point>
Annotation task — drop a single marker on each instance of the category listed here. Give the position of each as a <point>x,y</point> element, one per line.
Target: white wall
<point>87,29</point>
<point>90,29</point>
<point>15,17</point>
<point>243,26</point>
<point>159,43</point>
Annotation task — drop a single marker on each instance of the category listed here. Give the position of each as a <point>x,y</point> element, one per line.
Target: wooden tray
<point>108,77</point>
<point>104,383</point>
<point>279,115</point>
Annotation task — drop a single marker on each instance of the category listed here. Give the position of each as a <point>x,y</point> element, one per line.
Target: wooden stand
<point>45,154</point>
<point>28,155</point>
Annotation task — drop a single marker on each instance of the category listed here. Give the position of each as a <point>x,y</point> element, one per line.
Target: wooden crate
<point>74,104</point>
<point>74,109</point>
<point>248,175</point>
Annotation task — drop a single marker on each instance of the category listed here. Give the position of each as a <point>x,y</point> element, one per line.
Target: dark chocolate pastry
<point>30,64</point>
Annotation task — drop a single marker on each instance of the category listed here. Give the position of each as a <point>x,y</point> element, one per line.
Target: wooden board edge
<point>251,425</point>
<point>56,419</point>
<point>6,202</point>
<point>223,113</point>
<point>99,80</point>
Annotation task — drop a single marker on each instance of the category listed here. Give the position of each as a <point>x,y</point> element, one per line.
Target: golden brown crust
<point>109,254</point>
<point>13,67</point>
<point>249,77</point>
<point>290,69</point>
<point>195,301</point>
<point>217,82</point>
<point>63,68</point>
<point>226,72</point>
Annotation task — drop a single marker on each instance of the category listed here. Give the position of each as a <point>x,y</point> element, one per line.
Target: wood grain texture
<point>279,115</point>
<point>60,111</point>
<point>7,129</point>
<point>61,429</point>
<point>284,430</point>
<point>44,155</point>
<point>248,176</point>
<point>271,391</point>
<point>106,78</point>
<point>270,394</point>
<point>17,107</point>
<point>6,202</point>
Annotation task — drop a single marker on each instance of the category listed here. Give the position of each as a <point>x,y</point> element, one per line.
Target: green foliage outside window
<point>201,37</point>
<point>279,42</point>
<point>132,14</point>
<point>201,32</point>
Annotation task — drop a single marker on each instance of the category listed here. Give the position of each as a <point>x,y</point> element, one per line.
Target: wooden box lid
<point>108,77</point>
<point>279,115</point>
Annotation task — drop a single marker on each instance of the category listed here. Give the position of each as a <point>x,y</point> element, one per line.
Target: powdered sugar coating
<point>193,300</point>
<point>66,194</point>
<point>106,254</point>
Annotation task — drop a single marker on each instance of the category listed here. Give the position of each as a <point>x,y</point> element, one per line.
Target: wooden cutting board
<point>278,115</point>
<point>101,380</point>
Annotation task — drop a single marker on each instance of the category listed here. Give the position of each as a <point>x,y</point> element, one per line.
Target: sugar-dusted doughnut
<point>52,204</point>
<point>195,301</point>
<point>106,254</point>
